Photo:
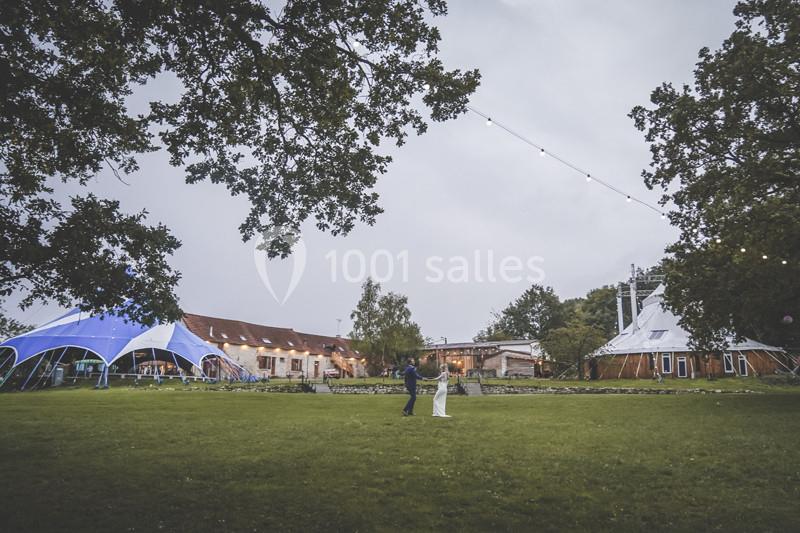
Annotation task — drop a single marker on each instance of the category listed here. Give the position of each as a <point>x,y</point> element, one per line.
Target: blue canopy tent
<point>111,338</point>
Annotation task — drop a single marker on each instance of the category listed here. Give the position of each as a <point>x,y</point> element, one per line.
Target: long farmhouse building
<point>267,351</point>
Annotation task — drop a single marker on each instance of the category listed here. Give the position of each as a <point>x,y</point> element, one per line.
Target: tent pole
<point>8,374</point>
<point>7,358</point>
<point>747,362</point>
<point>777,360</point>
<point>156,377</point>
<point>41,358</point>
<point>52,369</point>
<point>639,365</point>
<point>178,368</point>
<point>103,377</point>
<point>75,378</point>
<point>621,370</point>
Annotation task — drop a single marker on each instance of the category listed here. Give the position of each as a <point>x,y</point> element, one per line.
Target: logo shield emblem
<point>265,265</point>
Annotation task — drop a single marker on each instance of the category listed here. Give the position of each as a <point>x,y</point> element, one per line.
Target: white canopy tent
<point>657,330</point>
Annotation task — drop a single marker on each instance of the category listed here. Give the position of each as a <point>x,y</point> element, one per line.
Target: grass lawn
<point>724,384</point>
<point>137,460</point>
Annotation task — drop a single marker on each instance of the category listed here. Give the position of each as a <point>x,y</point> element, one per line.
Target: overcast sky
<point>563,73</point>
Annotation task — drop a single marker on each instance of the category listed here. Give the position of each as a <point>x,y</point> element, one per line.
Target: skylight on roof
<point>656,334</point>
<point>243,337</point>
<point>223,335</point>
<point>290,343</point>
<point>266,340</point>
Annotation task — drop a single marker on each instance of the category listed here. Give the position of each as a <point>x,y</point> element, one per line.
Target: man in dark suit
<point>411,376</point>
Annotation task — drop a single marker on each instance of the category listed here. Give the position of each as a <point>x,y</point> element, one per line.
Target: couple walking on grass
<point>439,401</point>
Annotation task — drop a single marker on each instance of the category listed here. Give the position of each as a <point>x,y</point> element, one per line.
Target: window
<point>651,360</point>
<point>297,365</point>
<point>727,362</point>
<point>742,364</point>
<point>656,334</point>
<point>265,363</point>
<point>682,370</point>
<point>243,337</point>
<point>666,363</point>
<point>223,335</point>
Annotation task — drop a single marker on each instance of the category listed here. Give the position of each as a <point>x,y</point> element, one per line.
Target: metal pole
<point>634,311</point>
<point>7,358</point>
<point>156,377</point>
<point>52,369</point>
<point>75,377</point>
<point>620,320</point>
<point>33,371</point>
<point>177,367</point>
<point>10,371</point>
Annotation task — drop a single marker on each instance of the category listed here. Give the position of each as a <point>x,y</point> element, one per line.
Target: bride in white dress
<point>440,400</point>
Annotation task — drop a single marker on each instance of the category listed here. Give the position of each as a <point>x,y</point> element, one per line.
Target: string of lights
<point>591,178</point>
<point>356,49</point>
<point>543,152</point>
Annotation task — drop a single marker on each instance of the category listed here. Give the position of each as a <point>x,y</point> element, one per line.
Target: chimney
<point>634,312</point>
<point>620,320</point>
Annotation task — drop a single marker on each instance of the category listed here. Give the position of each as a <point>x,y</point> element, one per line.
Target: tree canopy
<point>572,342</point>
<point>382,328</point>
<point>726,153</point>
<point>531,316</point>
<point>289,107</point>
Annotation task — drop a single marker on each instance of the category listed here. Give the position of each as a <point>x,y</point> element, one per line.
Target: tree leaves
<point>382,327</point>
<point>727,154</point>
<point>283,107</point>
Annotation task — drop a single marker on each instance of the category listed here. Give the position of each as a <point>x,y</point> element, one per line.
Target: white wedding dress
<point>440,400</point>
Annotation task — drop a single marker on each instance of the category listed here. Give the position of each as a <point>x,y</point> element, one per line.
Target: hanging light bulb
<point>764,256</point>
<point>588,178</point>
<point>628,198</point>
<point>663,216</point>
<point>355,43</point>
<point>427,87</point>
<point>488,121</point>
<point>743,250</point>
<point>718,240</point>
<point>542,153</point>
<point>783,262</point>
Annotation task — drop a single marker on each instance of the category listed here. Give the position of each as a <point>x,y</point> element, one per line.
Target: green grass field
<point>138,460</point>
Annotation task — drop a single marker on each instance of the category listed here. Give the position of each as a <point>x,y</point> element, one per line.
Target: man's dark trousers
<point>412,391</point>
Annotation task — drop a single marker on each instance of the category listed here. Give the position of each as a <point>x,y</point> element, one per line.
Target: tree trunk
<point>580,368</point>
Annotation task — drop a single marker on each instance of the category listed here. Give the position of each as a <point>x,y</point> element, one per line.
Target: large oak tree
<point>726,152</point>
<point>288,107</point>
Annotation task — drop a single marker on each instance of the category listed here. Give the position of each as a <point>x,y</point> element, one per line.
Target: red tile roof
<point>221,330</point>
<point>325,345</point>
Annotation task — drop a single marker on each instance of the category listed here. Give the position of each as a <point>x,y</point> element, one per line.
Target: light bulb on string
<point>355,43</point>
<point>743,250</point>
<point>488,121</point>
<point>427,87</point>
<point>588,178</point>
<point>542,153</point>
<point>783,262</point>
<point>718,240</point>
<point>628,198</point>
<point>663,216</point>
<point>764,256</point>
